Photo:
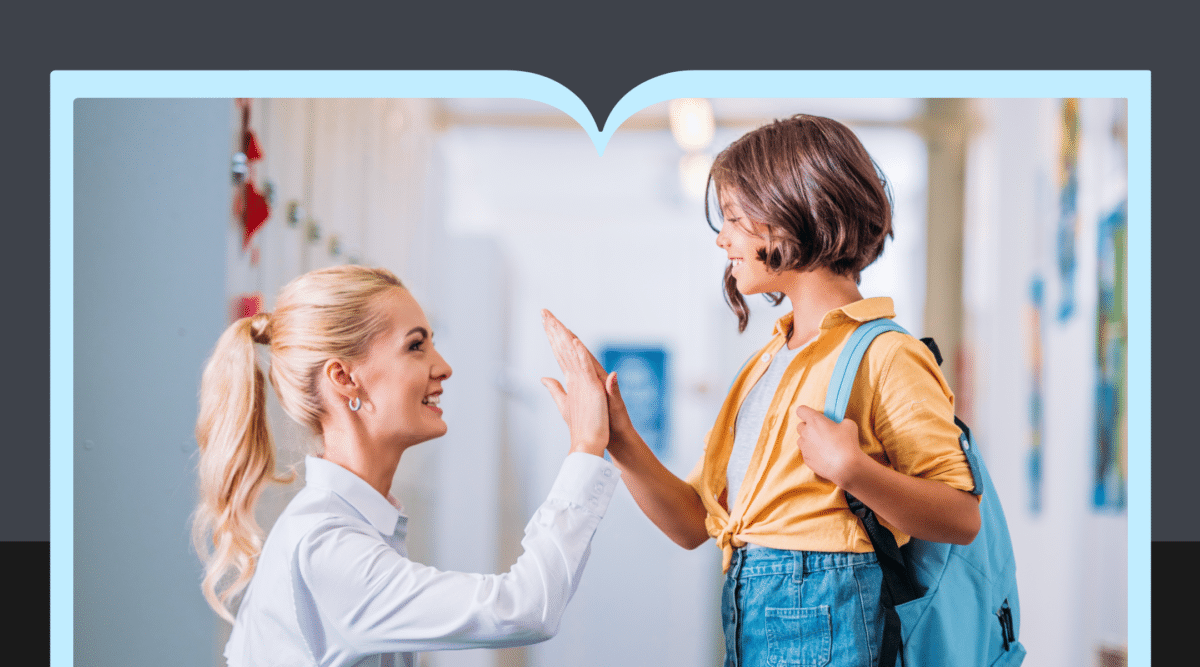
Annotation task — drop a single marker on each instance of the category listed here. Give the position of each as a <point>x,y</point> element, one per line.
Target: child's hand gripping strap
<point>841,384</point>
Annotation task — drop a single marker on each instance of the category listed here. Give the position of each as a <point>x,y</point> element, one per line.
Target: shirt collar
<point>860,311</point>
<point>381,512</point>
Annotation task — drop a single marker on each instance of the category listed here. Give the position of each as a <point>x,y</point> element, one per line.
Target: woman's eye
<point>416,345</point>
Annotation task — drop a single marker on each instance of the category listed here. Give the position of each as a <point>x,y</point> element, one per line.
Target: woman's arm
<point>356,587</point>
<point>924,508</point>
<point>377,598</point>
<point>668,501</point>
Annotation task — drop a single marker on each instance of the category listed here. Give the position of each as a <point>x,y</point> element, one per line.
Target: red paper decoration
<point>254,214</point>
<point>250,146</point>
<point>245,305</point>
<point>250,204</point>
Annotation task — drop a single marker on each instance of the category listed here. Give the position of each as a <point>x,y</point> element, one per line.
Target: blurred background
<point>1009,250</point>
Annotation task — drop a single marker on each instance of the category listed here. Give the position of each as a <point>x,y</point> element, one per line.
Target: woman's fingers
<point>560,336</point>
<point>553,335</point>
<point>557,393</point>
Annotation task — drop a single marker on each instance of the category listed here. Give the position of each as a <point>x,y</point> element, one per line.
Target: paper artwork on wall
<point>1068,207</point>
<point>1111,337</point>
<point>1033,337</point>
<point>642,376</point>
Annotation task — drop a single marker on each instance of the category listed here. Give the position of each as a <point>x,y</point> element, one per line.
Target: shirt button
<point>599,488</point>
<point>766,356</point>
<point>607,473</point>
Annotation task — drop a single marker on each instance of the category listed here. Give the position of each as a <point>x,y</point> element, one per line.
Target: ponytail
<point>237,456</point>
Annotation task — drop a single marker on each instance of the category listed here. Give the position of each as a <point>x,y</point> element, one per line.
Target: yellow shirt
<point>905,415</point>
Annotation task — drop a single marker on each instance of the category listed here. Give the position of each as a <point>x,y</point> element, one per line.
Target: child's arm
<point>924,508</point>
<point>668,501</point>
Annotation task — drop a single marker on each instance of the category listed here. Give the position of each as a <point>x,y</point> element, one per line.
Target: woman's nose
<point>442,369</point>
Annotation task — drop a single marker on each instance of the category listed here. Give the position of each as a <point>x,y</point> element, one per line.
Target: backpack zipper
<point>1006,624</point>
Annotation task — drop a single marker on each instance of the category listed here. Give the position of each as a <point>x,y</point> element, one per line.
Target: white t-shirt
<point>334,585</point>
<point>750,420</point>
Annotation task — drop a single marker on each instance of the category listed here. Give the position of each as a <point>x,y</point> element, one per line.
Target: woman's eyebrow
<point>421,330</point>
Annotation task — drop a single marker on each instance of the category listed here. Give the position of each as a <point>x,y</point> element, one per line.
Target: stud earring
<point>355,404</point>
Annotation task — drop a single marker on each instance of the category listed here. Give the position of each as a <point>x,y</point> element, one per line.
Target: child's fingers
<point>804,414</point>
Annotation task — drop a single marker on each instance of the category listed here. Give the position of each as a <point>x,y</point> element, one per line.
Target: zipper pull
<point>1004,615</point>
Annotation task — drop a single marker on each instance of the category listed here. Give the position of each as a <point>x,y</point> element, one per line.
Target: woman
<point>352,358</point>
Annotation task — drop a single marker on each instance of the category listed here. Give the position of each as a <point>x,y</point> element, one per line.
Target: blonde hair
<point>321,315</point>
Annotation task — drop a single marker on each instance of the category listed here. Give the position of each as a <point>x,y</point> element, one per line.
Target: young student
<point>352,358</point>
<point>804,211</point>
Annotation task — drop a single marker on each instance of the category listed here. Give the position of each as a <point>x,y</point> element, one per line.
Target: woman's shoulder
<point>315,512</point>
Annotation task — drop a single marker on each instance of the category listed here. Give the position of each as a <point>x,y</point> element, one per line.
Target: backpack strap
<point>842,382</point>
<point>837,397</point>
<point>898,586</point>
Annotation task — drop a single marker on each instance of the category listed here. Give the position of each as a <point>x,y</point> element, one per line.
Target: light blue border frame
<point>66,86</point>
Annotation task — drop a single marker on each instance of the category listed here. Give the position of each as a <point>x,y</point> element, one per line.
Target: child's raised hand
<point>830,449</point>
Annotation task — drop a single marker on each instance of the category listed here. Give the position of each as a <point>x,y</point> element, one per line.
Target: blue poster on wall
<point>642,375</point>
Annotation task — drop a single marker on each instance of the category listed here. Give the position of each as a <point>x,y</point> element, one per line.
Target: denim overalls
<point>801,609</point>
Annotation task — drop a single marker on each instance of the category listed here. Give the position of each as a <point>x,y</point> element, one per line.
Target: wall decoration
<point>1068,206</point>
<point>1033,336</point>
<point>642,376</point>
<point>250,205</point>
<point>247,304</point>
<point>1111,339</point>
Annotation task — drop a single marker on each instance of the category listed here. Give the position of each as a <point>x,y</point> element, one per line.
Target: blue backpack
<point>945,604</point>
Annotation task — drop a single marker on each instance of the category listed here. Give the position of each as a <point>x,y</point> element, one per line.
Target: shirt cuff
<point>587,481</point>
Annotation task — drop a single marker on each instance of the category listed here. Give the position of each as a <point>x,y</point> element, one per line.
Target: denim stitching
<point>866,624</point>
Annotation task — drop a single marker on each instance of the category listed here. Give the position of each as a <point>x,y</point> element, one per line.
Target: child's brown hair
<point>810,184</point>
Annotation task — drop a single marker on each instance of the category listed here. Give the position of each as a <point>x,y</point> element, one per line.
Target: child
<point>804,211</point>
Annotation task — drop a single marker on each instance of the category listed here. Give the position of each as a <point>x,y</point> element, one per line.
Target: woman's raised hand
<point>562,340</point>
<point>583,404</point>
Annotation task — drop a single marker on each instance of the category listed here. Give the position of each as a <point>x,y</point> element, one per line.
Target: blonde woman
<point>352,358</point>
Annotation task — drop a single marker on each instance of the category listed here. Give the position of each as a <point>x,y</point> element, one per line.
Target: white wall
<point>1071,559</point>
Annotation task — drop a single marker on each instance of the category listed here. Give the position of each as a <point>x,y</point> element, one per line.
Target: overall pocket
<point>799,637</point>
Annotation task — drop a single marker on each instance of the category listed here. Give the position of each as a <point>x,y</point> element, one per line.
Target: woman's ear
<point>338,374</point>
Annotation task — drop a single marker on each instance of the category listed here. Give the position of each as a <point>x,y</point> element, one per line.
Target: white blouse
<point>334,585</point>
